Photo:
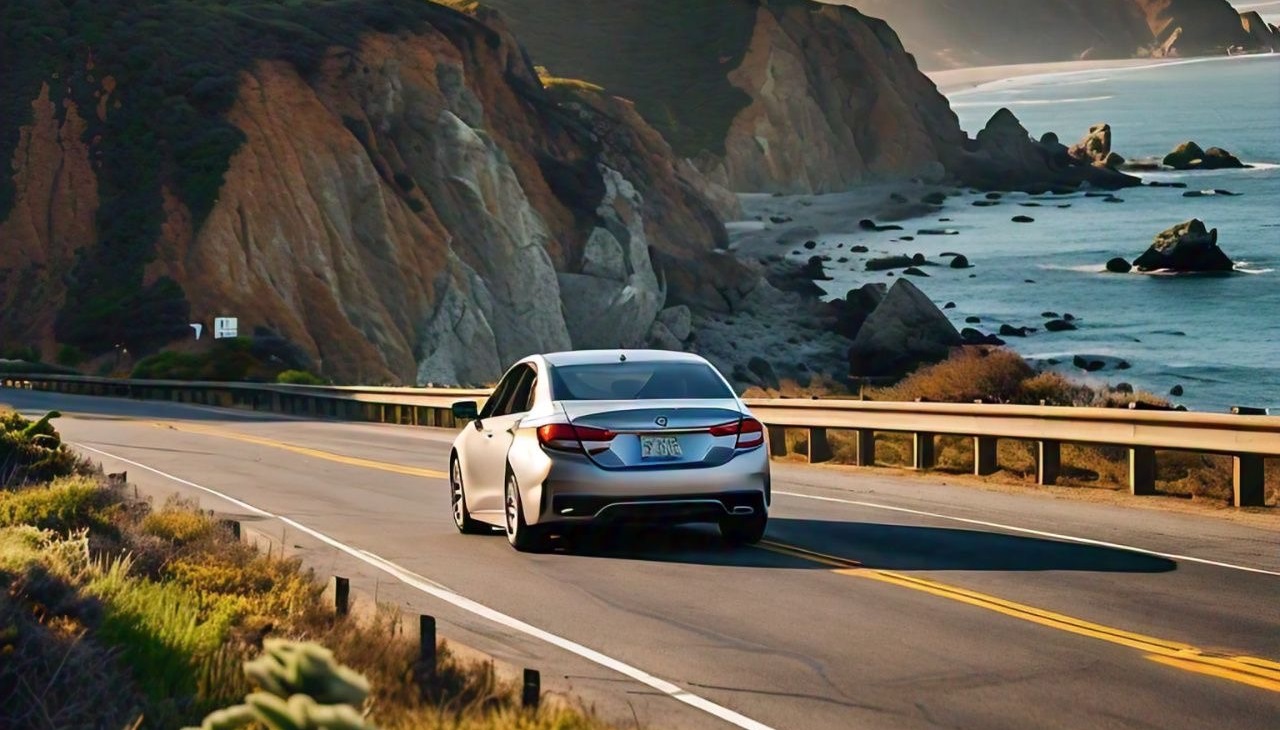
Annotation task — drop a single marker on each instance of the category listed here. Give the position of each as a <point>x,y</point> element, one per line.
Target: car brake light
<point>749,431</point>
<point>751,435</point>
<point>567,437</point>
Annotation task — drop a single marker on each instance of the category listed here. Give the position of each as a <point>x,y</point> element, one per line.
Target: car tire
<point>523,537</point>
<point>458,501</point>
<point>744,530</point>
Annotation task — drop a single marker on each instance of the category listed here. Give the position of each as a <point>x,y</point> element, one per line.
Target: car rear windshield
<point>636,381</point>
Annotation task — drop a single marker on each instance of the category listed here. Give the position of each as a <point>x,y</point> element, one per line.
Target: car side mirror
<point>465,410</point>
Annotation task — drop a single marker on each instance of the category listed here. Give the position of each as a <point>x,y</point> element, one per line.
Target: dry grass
<point>997,375</point>
<point>89,636</point>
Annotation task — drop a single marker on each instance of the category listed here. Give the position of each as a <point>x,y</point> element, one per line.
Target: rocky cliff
<point>763,95</point>
<point>386,185</point>
<point>990,32</point>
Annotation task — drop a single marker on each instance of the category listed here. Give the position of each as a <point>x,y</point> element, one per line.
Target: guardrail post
<point>985,459</point>
<point>923,453</point>
<point>819,447</point>
<point>1248,486</point>
<point>866,440</point>
<point>777,441</point>
<point>1142,470</point>
<point>1048,462</point>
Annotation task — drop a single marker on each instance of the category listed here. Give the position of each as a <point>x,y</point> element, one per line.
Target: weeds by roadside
<point>114,613</point>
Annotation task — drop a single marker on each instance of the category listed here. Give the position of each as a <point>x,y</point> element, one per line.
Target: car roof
<point>592,357</point>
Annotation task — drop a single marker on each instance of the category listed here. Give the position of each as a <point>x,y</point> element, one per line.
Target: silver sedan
<point>608,436</point>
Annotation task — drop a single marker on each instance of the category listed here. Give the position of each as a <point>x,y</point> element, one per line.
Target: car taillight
<point>567,437</point>
<point>749,431</point>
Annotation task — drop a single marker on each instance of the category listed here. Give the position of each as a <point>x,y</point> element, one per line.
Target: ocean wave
<point>1082,268</point>
<point>1029,102</point>
<point>1244,268</point>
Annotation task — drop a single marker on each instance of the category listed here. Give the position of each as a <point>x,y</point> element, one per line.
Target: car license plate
<point>660,447</point>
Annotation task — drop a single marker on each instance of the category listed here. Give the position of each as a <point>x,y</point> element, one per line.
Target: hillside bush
<point>299,377</point>
<point>32,451</point>
<point>226,360</point>
<point>63,506</point>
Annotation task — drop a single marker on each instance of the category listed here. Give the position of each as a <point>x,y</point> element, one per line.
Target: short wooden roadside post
<point>531,692</point>
<point>341,595</point>
<point>232,527</point>
<point>427,645</point>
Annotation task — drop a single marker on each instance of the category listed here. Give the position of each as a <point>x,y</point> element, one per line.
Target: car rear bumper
<point>575,490</point>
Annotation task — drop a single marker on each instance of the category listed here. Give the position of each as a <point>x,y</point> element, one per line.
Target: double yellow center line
<point>1253,671</point>
<point>304,451</point>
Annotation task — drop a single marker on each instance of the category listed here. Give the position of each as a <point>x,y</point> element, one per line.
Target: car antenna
<point>622,357</point>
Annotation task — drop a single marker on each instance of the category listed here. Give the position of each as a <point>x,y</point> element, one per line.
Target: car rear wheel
<point>461,515</point>
<point>522,536</point>
<point>743,530</point>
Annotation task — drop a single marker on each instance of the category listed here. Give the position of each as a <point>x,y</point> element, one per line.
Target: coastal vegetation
<point>117,614</point>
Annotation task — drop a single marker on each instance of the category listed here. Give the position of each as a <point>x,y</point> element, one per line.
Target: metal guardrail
<point>1247,439</point>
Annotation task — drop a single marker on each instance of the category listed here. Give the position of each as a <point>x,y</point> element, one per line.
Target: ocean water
<point>1217,336</point>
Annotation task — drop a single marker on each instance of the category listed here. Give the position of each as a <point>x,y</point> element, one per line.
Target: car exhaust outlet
<point>742,510</point>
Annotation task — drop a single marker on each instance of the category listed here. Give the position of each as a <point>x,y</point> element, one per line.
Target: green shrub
<point>299,377</point>
<point>167,633</point>
<point>25,353</point>
<point>177,526</point>
<point>32,451</point>
<point>64,506</point>
<point>226,360</point>
<point>70,356</point>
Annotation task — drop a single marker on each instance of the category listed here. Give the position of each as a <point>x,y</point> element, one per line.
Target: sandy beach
<point>951,81</point>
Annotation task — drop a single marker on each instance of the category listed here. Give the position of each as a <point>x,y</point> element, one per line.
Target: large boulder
<point>1095,148</point>
<point>905,331</point>
<point>1187,247</point>
<point>1190,156</point>
<point>858,304</point>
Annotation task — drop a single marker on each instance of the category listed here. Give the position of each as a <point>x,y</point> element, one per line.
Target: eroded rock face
<point>1187,247</point>
<point>763,95</point>
<point>961,33</point>
<point>416,208</point>
<point>52,218</point>
<point>904,331</point>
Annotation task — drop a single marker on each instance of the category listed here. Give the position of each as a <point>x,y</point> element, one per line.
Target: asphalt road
<point>926,605</point>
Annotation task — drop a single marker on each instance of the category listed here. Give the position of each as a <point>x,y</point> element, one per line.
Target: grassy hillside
<point>174,69</point>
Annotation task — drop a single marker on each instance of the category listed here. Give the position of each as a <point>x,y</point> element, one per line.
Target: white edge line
<point>1028,531</point>
<point>479,609</point>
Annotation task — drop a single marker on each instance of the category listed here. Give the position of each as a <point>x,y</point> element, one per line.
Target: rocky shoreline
<point>795,240</point>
